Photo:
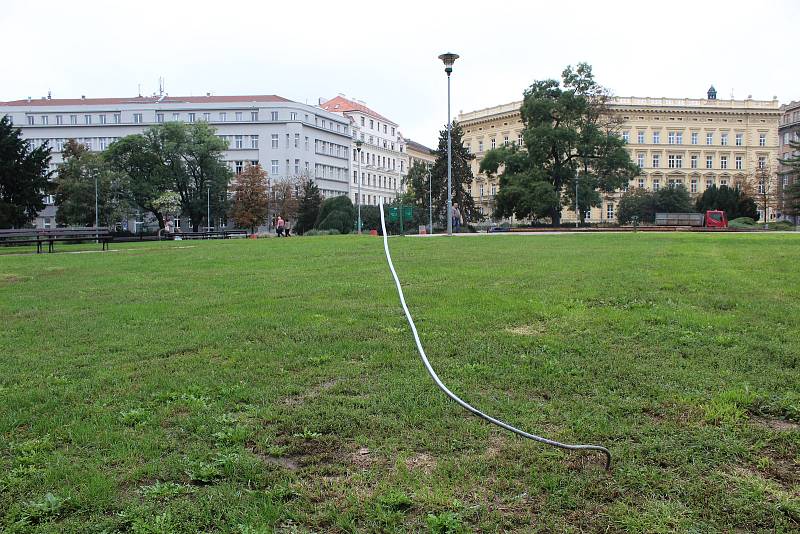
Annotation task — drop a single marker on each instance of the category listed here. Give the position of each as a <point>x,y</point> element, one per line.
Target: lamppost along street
<point>430,200</point>
<point>208,206</point>
<point>448,59</point>
<point>359,142</point>
<point>577,217</point>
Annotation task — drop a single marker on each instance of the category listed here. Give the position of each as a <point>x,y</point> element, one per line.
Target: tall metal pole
<point>449,164</point>
<point>430,201</point>
<point>208,208</point>
<point>96,217</point>
<point>358,178</point>
<point>577,217</point>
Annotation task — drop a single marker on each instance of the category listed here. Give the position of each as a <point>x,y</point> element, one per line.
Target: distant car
<point>711,219</point>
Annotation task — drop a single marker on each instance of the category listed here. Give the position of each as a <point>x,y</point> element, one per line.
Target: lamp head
<point>448,59</point>
<point>359,142</point>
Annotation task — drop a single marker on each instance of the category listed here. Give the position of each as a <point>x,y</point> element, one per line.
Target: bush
<point>743,221</point>
<point>322,232</point>
<point>336,213</point>
<point>780,225</point>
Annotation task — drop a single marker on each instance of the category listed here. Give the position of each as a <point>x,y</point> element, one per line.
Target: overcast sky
<point>385,52</point>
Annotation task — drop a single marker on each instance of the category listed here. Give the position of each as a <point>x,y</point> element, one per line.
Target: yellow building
<point>692,142</point>
<point>418,153</point>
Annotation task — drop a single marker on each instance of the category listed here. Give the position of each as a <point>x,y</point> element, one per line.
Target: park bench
<point>50,236</point>
<point>214,234</point>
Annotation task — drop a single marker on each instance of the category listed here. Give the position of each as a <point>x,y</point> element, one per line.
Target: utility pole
<point>430,200</point>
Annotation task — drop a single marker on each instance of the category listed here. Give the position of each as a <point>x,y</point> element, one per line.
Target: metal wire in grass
<point>455,397</point>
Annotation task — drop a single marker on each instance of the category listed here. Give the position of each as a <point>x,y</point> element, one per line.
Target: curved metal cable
<point>452,395</point>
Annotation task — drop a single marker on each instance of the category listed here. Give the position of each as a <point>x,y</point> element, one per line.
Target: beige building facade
<point>696,143</point>
<point>419,154</point>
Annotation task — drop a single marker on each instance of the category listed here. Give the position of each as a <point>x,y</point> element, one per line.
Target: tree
<point>766,189</point>
<point>250,198</point>
<point>286,196</point>
<point>418,184</point>
<point>308,208</point>
<point>672,200</point>
<point>23,177</point>
<point>734,201</point>
<point>569,134</point>
<point>639,203</point>
<point>336,213</point>
<point>76,178</point>
<point>144,178</point>
<point>193,156</point>
<point>461,179</point>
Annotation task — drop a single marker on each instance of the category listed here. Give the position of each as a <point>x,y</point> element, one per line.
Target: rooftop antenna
<point>160,86</point>
<point>139,90</point>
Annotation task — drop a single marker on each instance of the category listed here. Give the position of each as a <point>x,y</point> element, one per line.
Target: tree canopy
<point>734,201</point>
<point>308,208</point>
<point>250,204</point>
<point>336,213</point>
<point>24,177</point>
<point>569,134</point>
<point>643,204</point>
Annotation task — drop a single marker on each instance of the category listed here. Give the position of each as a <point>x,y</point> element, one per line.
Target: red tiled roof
<point>340,104</point>
<point>145,100</point>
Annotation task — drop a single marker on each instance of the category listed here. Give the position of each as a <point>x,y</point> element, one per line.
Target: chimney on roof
<point>712,93</point>
<point>83,97</point>
<point>208,94</point>
<point>49,95</point>
<point>320,101</point>
<point>29,99</point>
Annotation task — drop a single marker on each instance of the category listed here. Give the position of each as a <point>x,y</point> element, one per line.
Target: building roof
<point>341,104</point>
<point>413,145</point>
<point>145,100</point>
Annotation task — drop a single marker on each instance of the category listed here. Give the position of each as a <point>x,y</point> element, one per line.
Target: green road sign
<point>408,213</point>
<point>393,214</point>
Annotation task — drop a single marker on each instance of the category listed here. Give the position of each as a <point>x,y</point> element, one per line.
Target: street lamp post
<point>208,206</point>
<point>96,215</point>
<point>577,217</point>
<point>359,142</point>
<point>430,200</point>
<point>448,59</point>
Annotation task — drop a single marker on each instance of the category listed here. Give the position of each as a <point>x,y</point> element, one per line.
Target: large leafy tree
<point>336,213</point>
<point>308,209</point>
<point>734,201</point>
<point>644,204</point>
<point>250,198</point>
<point>23,177</point>
<point>143,174</point>
<point>569,134</point>
<point>75,181</point>
<point>461,179</point>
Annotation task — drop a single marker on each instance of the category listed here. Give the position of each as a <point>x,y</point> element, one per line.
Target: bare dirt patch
<point>310,393</point>
<point>420,462</point>
<point>536,329</point>
<point>775,423</point>
<point>10,279</point>
<point>285,462</point>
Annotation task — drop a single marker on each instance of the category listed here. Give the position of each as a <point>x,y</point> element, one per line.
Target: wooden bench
<point>50,236</point>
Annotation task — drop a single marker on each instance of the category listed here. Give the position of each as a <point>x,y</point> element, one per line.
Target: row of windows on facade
<point>371,200</point>
<point>385,162</point>
<point>91,143</point>
<point>675,161</point>
<point>693,183</point>
<point>321,171</point>
<point>222,116</point>
<point>375,180</point>
<point>372,124</point>
<point>676,138</point>
<point>788,137</point>
<point>788,118</point>
<point>377,141</point>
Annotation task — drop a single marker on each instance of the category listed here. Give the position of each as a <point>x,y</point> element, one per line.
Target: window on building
<point>675,161</point>
<point>238,166</point>
<point>640,160</point>
<point>207,117</point>
<point>288,141</point>
<point>724,182</point>
<point>159,117</point>
<point>274,167</point>
<point>709,162</point>
<point>494,142</point>
<point>693,185</point>
<point>137,118</point>
<point>723,162</point>
<point>656,184</point>
<point>738,163</point>
<point>238,116</point>
<point>274,139</point>
<point>253,141</point>
<point>59,119</point>
<point>641,183</point>
<point>176,117</point>
<point>191,117</point>
<point>505,140</point>
<point>45,119</point>
<point>656,138</point>
<point>694,138</point>
<point>709,183</point>
<point>762,162</point>
<point>640,137</point>
<point>739,139</point>
<point>296,167</point>
<point>254,116</point>
<point>371,124</point>
<point>694,161</point>
<point>679,138</point>
<point>480,146</point>
<point>73,119</point>
<point>306,143</point>
<point>671,138</point>
<point>223,116</point>
<point>610,211</point>
<point>293,116</point>
<point>519,140</point>
<point>656,160</point>
<point>87,119</point>
<point>626,136</point>
<point>239,142</point>
<point>762,139</point>
<point>709,138</point>
<point>31,120</point>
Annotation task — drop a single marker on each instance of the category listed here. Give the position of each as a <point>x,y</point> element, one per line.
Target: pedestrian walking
<point>279,226</point>
<point>457,218</point>
<point>286,230</point>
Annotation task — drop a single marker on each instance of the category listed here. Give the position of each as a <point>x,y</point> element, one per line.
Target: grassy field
<point>272,385</point>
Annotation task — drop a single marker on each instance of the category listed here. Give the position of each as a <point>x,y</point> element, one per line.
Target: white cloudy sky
<point>385,52</point>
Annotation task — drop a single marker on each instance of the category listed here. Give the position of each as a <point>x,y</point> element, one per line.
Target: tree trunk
<point>159,218</point>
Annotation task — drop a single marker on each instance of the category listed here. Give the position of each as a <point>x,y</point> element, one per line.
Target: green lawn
<point>272,385</point>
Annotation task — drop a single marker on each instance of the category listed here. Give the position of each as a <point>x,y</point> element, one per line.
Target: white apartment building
<point>384,162</point>
<point>288,139</point>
